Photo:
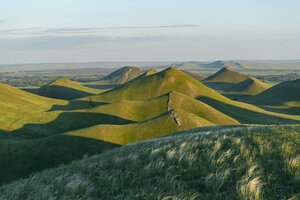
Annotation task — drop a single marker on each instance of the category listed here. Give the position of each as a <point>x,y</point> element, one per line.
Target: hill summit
<point>170,79</point>
<point>65,89</point>
<point>228,80</point>
<point>227,75</point>
<point>123,75</point>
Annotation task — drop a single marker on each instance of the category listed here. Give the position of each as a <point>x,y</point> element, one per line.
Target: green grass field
<point>260,162</point>
<point>242,160</point>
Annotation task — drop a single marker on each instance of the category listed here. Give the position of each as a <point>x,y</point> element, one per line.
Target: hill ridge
<point>228,80</point>
<point>280,94</point>
<point>170,79</point>
<point>65,89</point>
<point>226,74</point>
<point>123,75</point>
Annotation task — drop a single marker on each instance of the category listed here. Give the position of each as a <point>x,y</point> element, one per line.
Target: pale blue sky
<point>144,30</point>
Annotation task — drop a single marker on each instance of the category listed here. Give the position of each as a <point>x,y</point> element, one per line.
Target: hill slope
<point>147,73</point>
<point>20,158</point>
<point>280,94</point>
<point>156,85</point>
<point>228,81</point>
<point>123,75</point>
<point>209,163</point>
<point>167,123</point>
<point>227,75</point>
<point>66,89</point>
<point>13,97</point>
<point>142,110</point>
<point>28,114</point>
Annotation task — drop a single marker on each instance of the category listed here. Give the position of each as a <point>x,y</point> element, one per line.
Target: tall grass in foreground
<point>237,163</point>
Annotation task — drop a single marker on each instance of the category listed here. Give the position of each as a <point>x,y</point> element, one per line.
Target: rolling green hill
<point>227,75</point>
<point>29,120</point>
<point>143,110</point>
<point>122,75</point>
<point>124,134</point>
<point>156,85</point>
<point>210,163</point>
<point>283,97</point>
<point>230,82</point>
<point>171,80</point>
<point>167,123</point>
<point>147,73</point>
<point>12,97</point>
<point>155,118</point>
<point>28,114</point>
<point>66,89</point>
<point>280,94</point>
<point>249,86</point>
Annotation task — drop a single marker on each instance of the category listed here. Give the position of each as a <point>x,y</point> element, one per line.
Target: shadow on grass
<point>245,116</point>
<point>18,159</point>
<point>76,105</point>
<point>60,92</point>
<point>4,135</point>
<point>67,121</point>
<point>102,86</point>
<point>237,97</point>
<point>289,111</point>
<point>223,86</point>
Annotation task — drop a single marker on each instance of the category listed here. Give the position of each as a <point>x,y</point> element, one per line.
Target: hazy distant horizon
<point>158,61</point>
<point>88,31</point>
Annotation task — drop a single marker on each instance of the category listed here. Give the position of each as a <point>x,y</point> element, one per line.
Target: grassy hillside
<point>123,75</point>
<point>155,85</point>
<point>227,75</point>
<point>12,97</point>
<point>227,163</point>
<point>233,83</point>
<point>172,79</point>
<point>283,98</point>
<point>281,94</point>
<point>18,107</point>
<point>249,86</point>
<point>167,123</point>
<point>147,73</point>
<point>198,108</point>
<point>124,134</point>
<point>20,158</point>
<point>27,114</point>
<point>142,110</point>
<point>216,109</point>
<point>66,89</point>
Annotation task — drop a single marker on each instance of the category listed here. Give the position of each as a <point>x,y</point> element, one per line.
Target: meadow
<point>246,162</point>
<point>140,133</point>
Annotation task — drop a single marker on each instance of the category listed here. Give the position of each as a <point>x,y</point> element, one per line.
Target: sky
<point>42,31</point>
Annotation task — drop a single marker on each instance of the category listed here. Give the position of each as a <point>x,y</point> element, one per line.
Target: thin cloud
<point>2,21</point>
<point>28,32</point>
<point>122,27</point>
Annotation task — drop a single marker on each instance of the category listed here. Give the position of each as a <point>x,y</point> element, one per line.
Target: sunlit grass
<point>259,162</point>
